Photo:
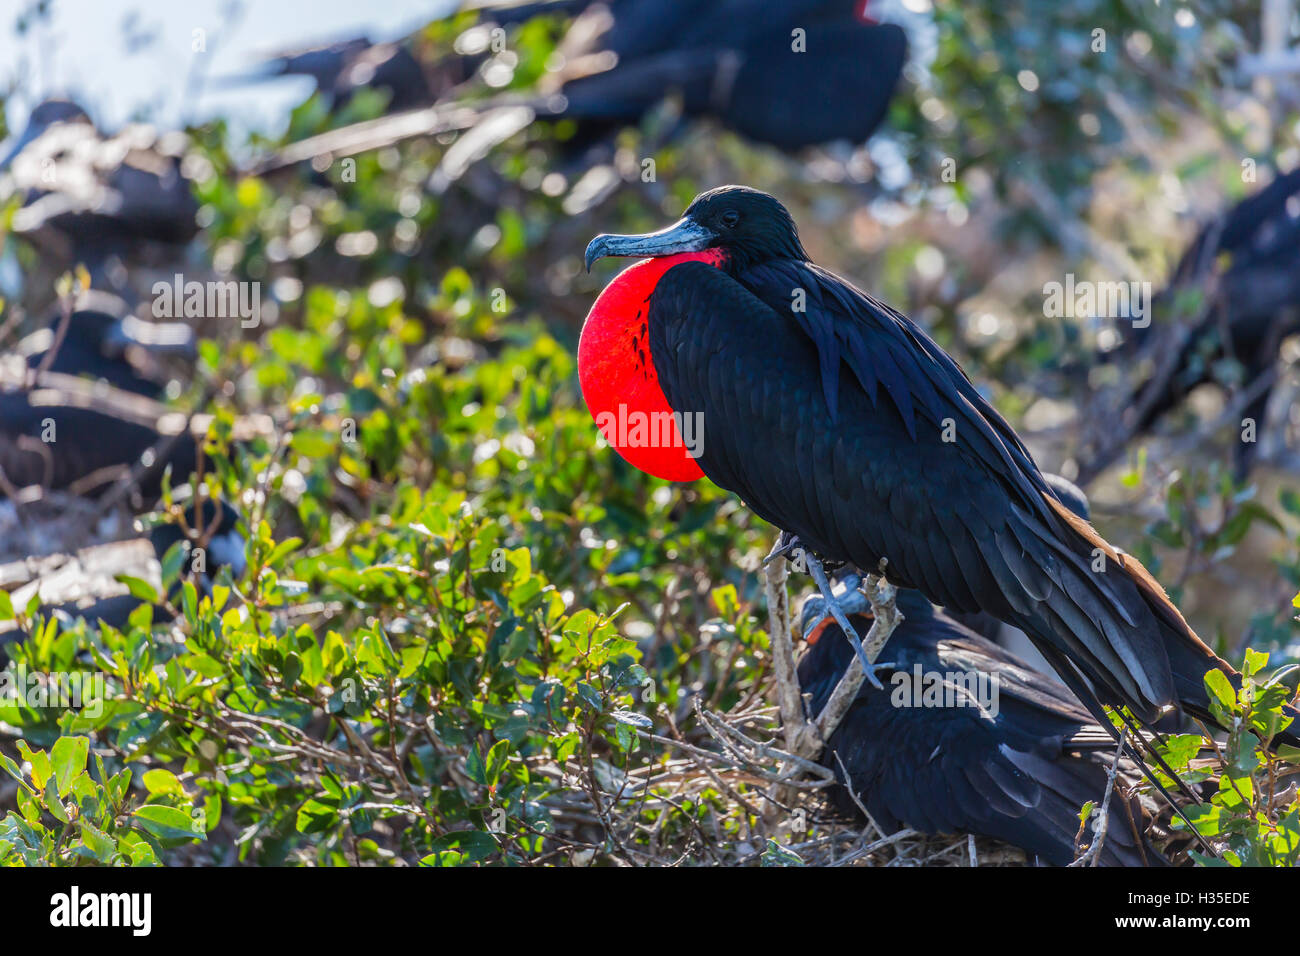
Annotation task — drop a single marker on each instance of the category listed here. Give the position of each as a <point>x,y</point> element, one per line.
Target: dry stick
<point>1092,856</point>
<point>806,740</point>
<point>782,648</point>
<point>65,319</point>
<point>886,618</point>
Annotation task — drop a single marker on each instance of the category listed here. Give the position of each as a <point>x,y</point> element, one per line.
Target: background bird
<point>95,199</point>
<point>838,420</point>
<point>738,61</point>
<point>1235,294</point>
<point>104,341</point>
<point>68,434</point>
<point>342,68</point>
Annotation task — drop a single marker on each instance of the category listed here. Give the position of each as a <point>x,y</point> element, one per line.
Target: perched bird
<point>805,72</point>
<point>342,68</point>
<point>86,196</point>
<point>70,435</point>
<point>965,737</point>
<point>104,341</point>
<point>1245,265</point>
<point>838,420</point>
<point>808,72</point>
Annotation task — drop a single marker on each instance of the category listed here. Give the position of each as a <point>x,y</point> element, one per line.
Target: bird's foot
<point>840,607</point>
<point>785,544</point>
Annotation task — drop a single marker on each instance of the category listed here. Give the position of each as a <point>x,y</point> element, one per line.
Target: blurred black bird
<point>342,68</point>
<point>838,420</point>
<point>104,341</point>
<point>87,196</point>
<point>1243,271</point>
<point>802,73</point>
<point>70,435</point>
<point>965,737</point>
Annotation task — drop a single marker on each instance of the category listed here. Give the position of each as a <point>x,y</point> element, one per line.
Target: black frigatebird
<point>1246,266</point>
<point>70,435</point>
<point>1012,638</point>
<point>800,73</point>
<point>88,197</point>
<point>966,737</point>
<point>840,421</point>
<point>104,341</point>
<point>342,68</point>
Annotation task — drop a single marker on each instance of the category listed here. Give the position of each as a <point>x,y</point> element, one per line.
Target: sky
<point>128,59</point>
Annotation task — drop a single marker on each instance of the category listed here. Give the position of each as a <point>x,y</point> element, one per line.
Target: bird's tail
<point>1119,636</point>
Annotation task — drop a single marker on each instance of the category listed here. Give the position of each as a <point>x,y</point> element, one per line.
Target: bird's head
<point>745,225</point>
<point>45,115</point>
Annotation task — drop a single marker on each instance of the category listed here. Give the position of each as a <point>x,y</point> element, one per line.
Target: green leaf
<point>1216,682</point>
<point>41,769</point>
<point>52,802</point>
<point>139,588</point>
<point>316,817</point>
<point>98,842</point>
<point>496,761</point>
<point>68,756</point>
<point>160,781</point>
<point>166,822</point>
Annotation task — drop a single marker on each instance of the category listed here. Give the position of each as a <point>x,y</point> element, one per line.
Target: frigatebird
<point>342,68</point>
<point>104,341</point>
<point>801,73</point>
<point>841,422</point>
<point>966,737</point>
<point>87,197</point>
<point>1012,638</point>
<point>1243,268</point>
<point>71,435</point>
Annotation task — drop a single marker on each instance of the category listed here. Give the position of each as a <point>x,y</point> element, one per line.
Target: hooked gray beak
<point>685,235</point>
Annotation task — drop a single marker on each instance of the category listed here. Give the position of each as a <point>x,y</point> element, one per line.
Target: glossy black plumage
<point>68,435</point>
<point>103,342</point>
<point>1246,264</point>
<point>1017,765</point>
<point>88,194</point>
<point>836,418</point>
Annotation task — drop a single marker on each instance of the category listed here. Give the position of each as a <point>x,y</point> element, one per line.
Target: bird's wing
<point>839,420</point>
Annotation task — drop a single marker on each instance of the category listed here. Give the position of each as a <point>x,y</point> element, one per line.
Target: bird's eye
<point>730,218</point>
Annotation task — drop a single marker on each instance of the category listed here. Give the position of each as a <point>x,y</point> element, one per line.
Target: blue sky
<point>84,49</point>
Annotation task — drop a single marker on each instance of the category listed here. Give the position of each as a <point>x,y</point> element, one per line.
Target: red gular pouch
<point>618,377</point>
